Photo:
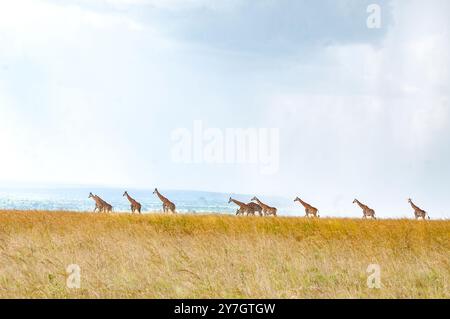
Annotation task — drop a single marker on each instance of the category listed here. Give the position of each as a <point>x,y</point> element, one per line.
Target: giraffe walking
<point>267,210</point>
<point>367,211</point>
<point>243,208</point>
<point>418,212</point>
<point>256,208</point>
<point>135,206</point>
<point>166,204</point>
<point>107,207</point>
<point>310,210</point>
<point>100,204</point>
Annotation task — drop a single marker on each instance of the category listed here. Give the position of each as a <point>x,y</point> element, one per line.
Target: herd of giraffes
<point>249,209</point>
<point>136,207</point>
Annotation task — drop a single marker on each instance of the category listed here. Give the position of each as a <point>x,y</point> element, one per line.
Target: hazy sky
<point>92,90</point>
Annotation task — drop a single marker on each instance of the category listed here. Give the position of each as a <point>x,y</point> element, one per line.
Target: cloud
<point>404,80</point>
<point>43,23</point>
<point>175,5</point>
<point>274,27</point>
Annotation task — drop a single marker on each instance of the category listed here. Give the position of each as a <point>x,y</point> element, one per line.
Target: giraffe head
<point>296,199</point>
<point>125,194</point>
<point>230,200</point>
<point>409,200</point>
<point>354,201</point>
<point>90,195</point>
<point>155,191</point>
<point>254,198</point>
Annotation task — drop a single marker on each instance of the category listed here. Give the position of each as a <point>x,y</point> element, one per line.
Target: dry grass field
<point>213,256</point>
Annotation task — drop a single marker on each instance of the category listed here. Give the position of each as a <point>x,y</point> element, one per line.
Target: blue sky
<point>90,92</point>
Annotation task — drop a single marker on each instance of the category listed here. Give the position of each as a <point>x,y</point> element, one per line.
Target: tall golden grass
<point>217,256</point>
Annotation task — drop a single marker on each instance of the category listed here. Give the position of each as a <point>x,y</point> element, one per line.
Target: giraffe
<point>367,211</point>
<point>257,208</point>
<point>100,204</point>
<point>310,210</point>
<point>107,207</point>
<point>243,208</point>
<point>418,212</point>
<point>267,210</point>
<point>135,206</point>
<point>167,204</point>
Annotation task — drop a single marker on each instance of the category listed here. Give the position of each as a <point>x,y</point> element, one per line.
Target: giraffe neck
<point>303,203</point>
<point>98,199</point>
<point>161,197</point>
<point>360,204</point>
<point>414,206</point>
<point>240,204</point>
<point>259,202</point>
<point>129,198</point>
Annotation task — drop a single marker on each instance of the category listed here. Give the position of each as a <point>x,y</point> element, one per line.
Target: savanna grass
<point>219,256</point>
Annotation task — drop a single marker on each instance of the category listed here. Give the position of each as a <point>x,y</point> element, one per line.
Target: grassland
<point>211,256</point>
